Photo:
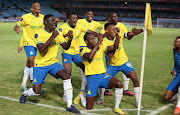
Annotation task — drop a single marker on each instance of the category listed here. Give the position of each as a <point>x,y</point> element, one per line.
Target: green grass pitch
<point>158,64</point>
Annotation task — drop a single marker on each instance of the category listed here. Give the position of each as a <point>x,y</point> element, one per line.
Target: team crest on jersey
<point>81,50</point>
<point>21,19</point>
<point>60,29</point>
<point>36,36</point>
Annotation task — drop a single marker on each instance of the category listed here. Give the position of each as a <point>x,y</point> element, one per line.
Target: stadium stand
<point>129,11</point>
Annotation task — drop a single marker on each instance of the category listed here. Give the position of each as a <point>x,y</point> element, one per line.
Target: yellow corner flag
<point>148,21</point>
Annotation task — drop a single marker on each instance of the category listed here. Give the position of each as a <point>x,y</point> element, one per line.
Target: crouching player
<point>173,90</point>
<point>92,56</point>
<point>47,40</point>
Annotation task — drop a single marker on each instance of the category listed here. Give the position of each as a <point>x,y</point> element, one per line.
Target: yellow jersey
<point>93,25</point>
<point>119,57</point>
<point>30,25</point>
<point>47,57</point>
<point>96,66</point>
<point>74,48</point>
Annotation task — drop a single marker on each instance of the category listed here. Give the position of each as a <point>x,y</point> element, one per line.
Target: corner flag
<point>148,21</point>
<point>147,32</point>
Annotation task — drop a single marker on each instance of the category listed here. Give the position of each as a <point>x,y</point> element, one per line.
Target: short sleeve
<point>98,26</point>
<point>37,38</point>
<point>61,38</point>
<point>124,29</point>
<point>21,22</point>
<point>62,30</point>
<point>102,30</point>
<point>83,50</point>
<point>83,28</point>
<point>103,47</point>
<point>21,42</point>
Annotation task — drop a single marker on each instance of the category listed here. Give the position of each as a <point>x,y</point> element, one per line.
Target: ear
<point>32,9</point>
<point>109,18</point>
<point>85,15</point>
<point>45,22</point>
<point>86,41</point>
<point>106,30</point>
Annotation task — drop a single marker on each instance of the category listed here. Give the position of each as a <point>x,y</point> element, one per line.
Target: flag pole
<point>142,70</point>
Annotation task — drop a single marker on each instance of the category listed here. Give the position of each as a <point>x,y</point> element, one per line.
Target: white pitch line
<point>48,106</point>
<point>82,111</point>
<point>160,109</point>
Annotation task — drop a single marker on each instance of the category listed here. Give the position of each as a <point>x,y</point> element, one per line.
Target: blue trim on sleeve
<point>17,24</point>
<point>63,42</point>
<point>39,42</point>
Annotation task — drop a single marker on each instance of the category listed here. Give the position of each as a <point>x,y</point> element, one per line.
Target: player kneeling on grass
<point>173,90</point>
<point>47,41</point>
<point>92,56</point>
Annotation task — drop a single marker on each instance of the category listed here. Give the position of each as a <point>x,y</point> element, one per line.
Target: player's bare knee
<point>65,76</point>
<point>118,84</point>
<point>135,81</point>
<point>37,92</point>
<point>167,98</point>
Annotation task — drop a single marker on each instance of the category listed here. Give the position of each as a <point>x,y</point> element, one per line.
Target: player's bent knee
<point>167,98</point>
<point>118,84</point>
<point>63,74</point>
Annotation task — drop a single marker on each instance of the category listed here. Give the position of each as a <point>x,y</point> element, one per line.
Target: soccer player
<point>89,23</point>
<point>30,22</point>
<point>47,40</point>
<point>173,90</point>
<point>118,60</point>
<point>92,56</point>
<point>72,54</point>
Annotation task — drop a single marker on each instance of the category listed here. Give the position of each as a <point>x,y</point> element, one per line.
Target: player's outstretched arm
<point>43,46</point>
<point>67,44</point>
<point>17,29</point>
<point>91,54</point>
<point>19,49</point>
<point>134,32</point>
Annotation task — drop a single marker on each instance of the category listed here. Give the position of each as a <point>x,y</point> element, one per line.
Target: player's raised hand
<point>100,38</point>
<point>117,30</point>
<point>17,29</point>
<point>173,72</point>
<point>55,34</point>
<point>104,35</point>
<point>136,31</point>
<point>19,49</point>
<point>70,33</point>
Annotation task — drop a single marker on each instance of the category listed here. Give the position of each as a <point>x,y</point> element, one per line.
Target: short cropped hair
<point>71,13</point>
<point>33,3</point>
<point>46,17</point>
<point>107,24</point>
<point>178,37</point>
<point>85,36</point>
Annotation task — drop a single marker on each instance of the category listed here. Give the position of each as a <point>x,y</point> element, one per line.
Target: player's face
<point>73,20</point>
<point>176,44</point>
<point>89,16</point>
<point>91,40</point>
<point>113,18</point>
<point>51,23</point>
<point>36,8</point>
<point>111,31</point>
